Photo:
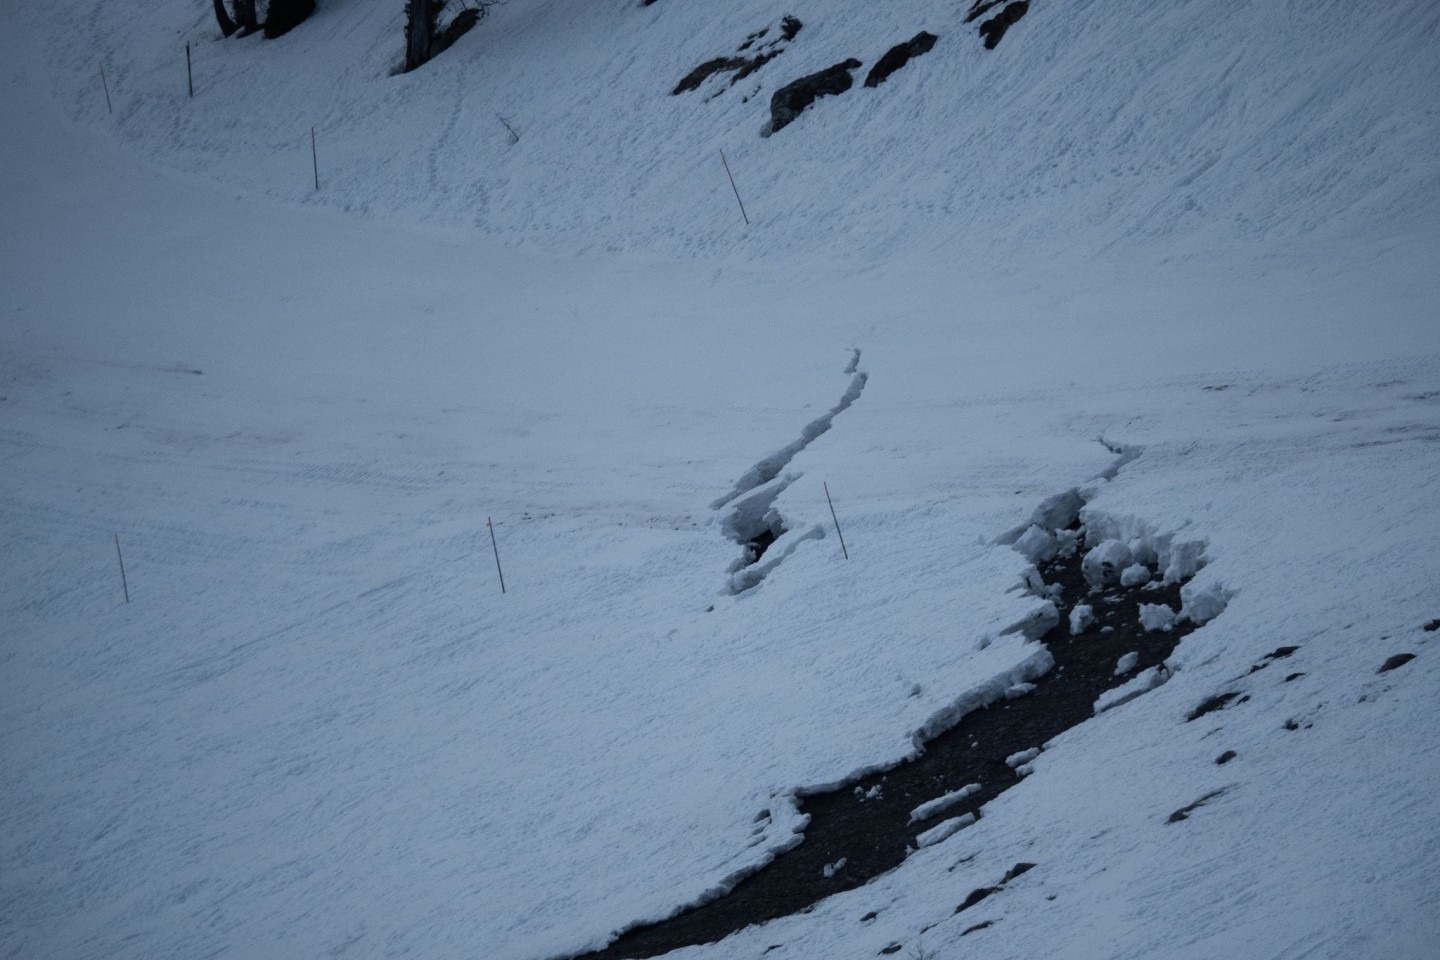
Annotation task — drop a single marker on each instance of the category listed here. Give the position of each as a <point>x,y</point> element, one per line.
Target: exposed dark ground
<point>866,822</point>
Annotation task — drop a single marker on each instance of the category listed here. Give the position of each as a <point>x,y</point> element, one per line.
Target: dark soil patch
<point>871,829</point>
<point>1399,660</point>
<point>791,100</point>
<point>899,55</point>
<point>993,30</point>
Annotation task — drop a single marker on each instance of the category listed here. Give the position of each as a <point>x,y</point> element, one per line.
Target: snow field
<point>319,727</point>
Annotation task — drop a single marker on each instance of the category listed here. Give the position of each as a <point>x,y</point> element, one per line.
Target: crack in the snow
<point>1100,645</point>
<point>754,522</point>
<point>769,468</point>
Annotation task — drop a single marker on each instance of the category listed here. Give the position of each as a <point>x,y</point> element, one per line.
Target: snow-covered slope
<point>1204,233</point>
<point>1092,124</point>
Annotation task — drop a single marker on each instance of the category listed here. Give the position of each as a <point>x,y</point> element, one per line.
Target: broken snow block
<point>899,55</point>
<point>792,99</point>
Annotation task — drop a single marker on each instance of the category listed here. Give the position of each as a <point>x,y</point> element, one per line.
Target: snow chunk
<point>1157,616</point>
<point>833,868</point>
<point>1018,690</point>
<point>1104,562</point>
<point>931,808</point>
<point>1023,757</point>
<point>1081,616</point>
<point>1126,663</point>
<point>1037,623</point>
<point>1134,575</point>
<point>1037,545</point>
<point>1184,560</point>
<point>1202,604</point>
<point>985,694</point>
<point>944,830</point>
<point>1140,684</point>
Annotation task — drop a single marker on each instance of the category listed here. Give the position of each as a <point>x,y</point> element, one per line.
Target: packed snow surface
<point>1182,258</point>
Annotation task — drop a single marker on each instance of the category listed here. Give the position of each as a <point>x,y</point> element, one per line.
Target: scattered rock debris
<point>874,831</point>
<point>740,67</point>
<point>1399,660</point>
<point>899,55</point>
<point>1184,812</point>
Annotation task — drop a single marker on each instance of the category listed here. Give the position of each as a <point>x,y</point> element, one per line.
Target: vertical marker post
<point>104,83</point>
<point>733,187</point>
<point>314,158</point>
<point>189,74</point>
<point>124,584</point>
<point>491,524</point>
<point>837,521</point>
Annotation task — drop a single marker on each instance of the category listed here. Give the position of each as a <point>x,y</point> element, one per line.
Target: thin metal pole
<point>489,523</point>
<point>189,74</point>
<point>836,519</point>
<point>733,187</point>
<point>314,158</point>
<point>124,584</point>
<point>104,83</point>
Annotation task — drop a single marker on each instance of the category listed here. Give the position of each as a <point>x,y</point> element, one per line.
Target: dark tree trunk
<point>245,15</point>
<point>285,15</point>
<point>419,31</point>
<point>227,26</point>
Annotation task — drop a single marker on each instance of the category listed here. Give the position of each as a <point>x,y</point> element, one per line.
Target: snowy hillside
<point>1146,290</point>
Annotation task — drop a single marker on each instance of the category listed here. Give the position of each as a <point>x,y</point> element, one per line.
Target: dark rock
<point>1399,660</point>
<point>975,897</point>
<point>979,8</point>
<point>1280,653</point>
<point>789,27</point>
<point>1210,705</point>
<point>978,926</point>
<point>791,100</point>
<point>869,916</point>
<point>994,28</point>
<point>1184,812</point>
<point>893,948</point>
<point>899,55</point>
<point>1432,626</point>
<point>693,79</point>
<point>1225,757</point>
<point>1018,870</point>
<point>1294,676</point>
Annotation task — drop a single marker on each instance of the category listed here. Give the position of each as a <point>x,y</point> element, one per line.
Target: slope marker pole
<point>189,74</point>
<point>106,84</point>
<point>491,524</point>
<point>836,519</point>
<point>124,584</point>
<point>735,188</point>
<point>314,158</point>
